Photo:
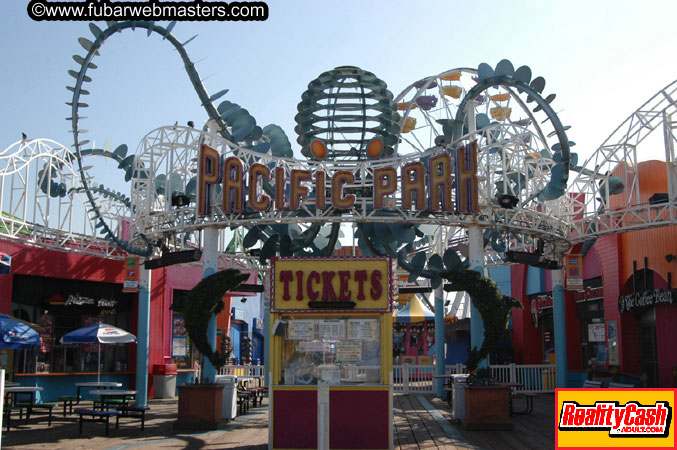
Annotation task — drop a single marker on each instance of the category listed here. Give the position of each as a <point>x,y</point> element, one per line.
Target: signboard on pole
<point>574,275</point>
<point>131,283</point>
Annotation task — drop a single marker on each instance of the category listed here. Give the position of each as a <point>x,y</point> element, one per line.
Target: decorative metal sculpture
<point>351,126</point>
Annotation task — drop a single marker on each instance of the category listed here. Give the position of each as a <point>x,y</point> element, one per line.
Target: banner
<point>131,283</point>
<point>574,275</point>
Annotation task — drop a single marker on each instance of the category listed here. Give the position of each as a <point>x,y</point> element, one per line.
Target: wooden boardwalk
<point>417,428</point>
<point>420,422</point>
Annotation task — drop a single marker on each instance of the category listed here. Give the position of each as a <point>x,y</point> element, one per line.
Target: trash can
<point>229,404</point>
<point>164,380</point>
<point>458,399</point>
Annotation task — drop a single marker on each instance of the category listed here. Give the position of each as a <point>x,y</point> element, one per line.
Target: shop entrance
<point>648,354</point>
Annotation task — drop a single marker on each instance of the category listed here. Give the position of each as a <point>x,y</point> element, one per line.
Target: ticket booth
<point>331,354</point>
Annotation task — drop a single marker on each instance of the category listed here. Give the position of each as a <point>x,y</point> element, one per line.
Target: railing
<point>245,371</point>
<point>418,379</point>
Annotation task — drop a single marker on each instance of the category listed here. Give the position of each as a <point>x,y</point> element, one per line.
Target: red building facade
<point>623,324</point>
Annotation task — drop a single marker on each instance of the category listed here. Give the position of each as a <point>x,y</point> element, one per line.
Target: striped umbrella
<point>414,312</point>
<point>99,333</point>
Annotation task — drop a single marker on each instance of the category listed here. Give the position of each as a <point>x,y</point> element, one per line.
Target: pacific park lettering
<point>421,188</point>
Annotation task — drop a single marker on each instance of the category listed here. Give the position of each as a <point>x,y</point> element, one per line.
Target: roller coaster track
<point>588,209</point>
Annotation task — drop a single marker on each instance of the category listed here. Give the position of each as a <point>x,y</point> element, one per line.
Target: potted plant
<point>487,405</point>
<point>200,403</point>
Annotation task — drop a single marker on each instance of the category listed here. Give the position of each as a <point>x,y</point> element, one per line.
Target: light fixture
<point>658,198</point>
<point>169,259</point>
<point>243,300</point>
<point>180,199</point>
<point>670,258</point>
<point>507,201</point>
<point>532,259</point>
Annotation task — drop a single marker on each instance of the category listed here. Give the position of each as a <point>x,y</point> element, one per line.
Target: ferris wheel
<point>519,161</point>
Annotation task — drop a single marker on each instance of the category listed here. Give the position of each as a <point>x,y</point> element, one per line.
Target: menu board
<point>179,340</point>
<point>363,329</point>
<point>301,330</point>
<point>179,347</point>
<point>348,351</point>
<point>331,330</point>
<point>314,346</point>
<point>46,332</point>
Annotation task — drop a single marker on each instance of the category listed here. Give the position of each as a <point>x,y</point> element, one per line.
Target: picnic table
<point>96,384</point>
<point>17,391</point>
<point>110,395</point>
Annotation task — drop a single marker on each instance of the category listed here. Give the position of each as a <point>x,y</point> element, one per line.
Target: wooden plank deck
<point>420,422</point>
<point>417,428</point>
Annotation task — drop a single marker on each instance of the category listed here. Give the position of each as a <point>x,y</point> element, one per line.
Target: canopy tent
<point>414,312</point>
<point>457,307</point>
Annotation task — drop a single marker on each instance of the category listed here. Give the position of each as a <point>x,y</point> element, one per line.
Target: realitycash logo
<point>595,418</point>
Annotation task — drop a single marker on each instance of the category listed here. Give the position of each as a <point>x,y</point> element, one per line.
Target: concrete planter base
<point>487,408</point>
<point>200,407</point>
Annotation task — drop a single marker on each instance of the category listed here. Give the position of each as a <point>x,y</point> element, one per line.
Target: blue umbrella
<point>99,333</point>
<point>15,334</point>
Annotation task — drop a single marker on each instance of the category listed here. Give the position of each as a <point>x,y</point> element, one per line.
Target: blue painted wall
<point>501,275</point>
<point>235,336</point>
<point>252,308</point>
<point>457,350</point>
<point>54,386</point>
<point>535,280</point>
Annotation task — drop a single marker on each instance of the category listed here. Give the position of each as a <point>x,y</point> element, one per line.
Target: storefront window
<point>593,334</point>
<point>182,352</point>
<point>336,350</point>
<point>61,306</point>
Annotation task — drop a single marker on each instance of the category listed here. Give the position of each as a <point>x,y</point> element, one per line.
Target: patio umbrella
<point>17,334</point>
<point>414,312</point>
<point>99,333</point>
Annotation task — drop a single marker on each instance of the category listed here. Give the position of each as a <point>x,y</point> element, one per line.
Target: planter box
<point>487,408</point>
<point>200,407</point>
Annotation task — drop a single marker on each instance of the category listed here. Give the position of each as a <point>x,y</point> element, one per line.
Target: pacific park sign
<point>422,187</point>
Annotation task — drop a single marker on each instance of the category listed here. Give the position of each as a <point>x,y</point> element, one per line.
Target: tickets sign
<point>331,284</point>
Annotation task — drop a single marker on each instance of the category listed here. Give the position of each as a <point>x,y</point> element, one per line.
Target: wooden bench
<point>7,414</point>
<point>257,394</point>
<point>448,392</point>
<point>529,406</point>
<point>134,411</point>
<point>107,403</point>
<point>68,402</point>
<point>97,416</point>
<point>243,401</point>
<point>38,407</point>
<point>589,384</point>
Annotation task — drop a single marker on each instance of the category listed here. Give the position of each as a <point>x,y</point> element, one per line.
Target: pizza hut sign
<point>79,300</point>
<point>640,300</point>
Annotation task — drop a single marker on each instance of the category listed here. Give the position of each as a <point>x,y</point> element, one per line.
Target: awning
<point>414,312</point>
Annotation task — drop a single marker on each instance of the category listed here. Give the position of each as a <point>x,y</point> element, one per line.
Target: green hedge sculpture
<point>198,306</point>
<point>494,307</point>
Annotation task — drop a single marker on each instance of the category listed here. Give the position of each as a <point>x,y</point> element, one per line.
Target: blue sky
<point>603,59</point>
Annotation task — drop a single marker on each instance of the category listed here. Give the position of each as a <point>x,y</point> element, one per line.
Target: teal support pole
<point>440,357</point>
<point>476,254</point>
<point>143,325</point>
<point>210,258</point>
<point>559,319</point>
